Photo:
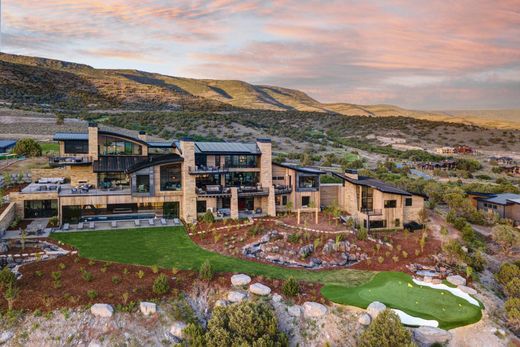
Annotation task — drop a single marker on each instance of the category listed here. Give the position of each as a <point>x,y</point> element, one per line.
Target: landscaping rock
<point>277,298</point>
<point>365,319</point>
<point>6,336</point>
<point>236,296</point>
<point>240,280</point>
<point>219,303</point>
<point>375,308</point>
<point>102,310</point>
<point>314,309</point>
<point>467,290</point>
<point>456,280</point>
<point>177,329</point>
<point>3,247</point>
<point>305,251</point>
<point>259,289</point>
<point>147,308</point>
<point>295,311</point>
<point>426,336</point>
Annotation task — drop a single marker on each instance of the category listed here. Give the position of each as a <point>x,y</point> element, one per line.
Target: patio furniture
<point>258,211</point>
<point>92,225</point>
<point>65,227</point>
<point>176,221</point>
<point>80,226</point>
<point>151,221</point>
<point>137,222</point>
<point>114,224</point>
<point>163,221</point>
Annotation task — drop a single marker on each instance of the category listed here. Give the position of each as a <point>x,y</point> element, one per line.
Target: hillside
<point>45,82</point>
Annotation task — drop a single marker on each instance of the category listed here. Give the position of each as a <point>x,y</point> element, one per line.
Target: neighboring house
<point>295,184</point>
<point>502,160</point>
<point>513,170</point>
<point>373,203</point>
<point>506,205</point>
<point>444,150</point>
<point>116,176</point>
<point>7,145</point>
<point>463,149</point>
<point>445,165</point>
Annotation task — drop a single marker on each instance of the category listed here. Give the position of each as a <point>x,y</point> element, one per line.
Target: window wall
<point>308,181</point>
<point>241,161</point>
<point>76,147</point>
<point>142,184</point>
<point>40,208</point>
<point>112,145</point>
<point>113,180</point>
<point>237,179</point>
<point>367,198</point>
<point>171,177</point>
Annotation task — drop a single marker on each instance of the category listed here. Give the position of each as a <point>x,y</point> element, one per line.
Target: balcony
<point>66,161</point>
<point>243,191</point>
<point>372,212</point>
<point>204,170</point>
<point>281,189</point>
<point>89,190</point>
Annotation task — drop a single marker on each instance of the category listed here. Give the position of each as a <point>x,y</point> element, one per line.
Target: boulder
<point>467,290</point>
<point>305,251</point>
<point>295,311</point>
<point>375,308</point>
<point>102,310</point>
<point>456,280</point>
<point>6,336</point>
<point>259,289</point>
<point>240,280</point>
<point>234,296</point>
<point>277,298</point>
<point>365,319</point>
<point>3,247</point>
<point>427,336</point>
<point>221,303</point>
<point>314,309</point>
<point>147,308</point>
<point>177,329</point>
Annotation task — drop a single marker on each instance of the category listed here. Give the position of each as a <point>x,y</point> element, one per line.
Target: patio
<point>119,224</point>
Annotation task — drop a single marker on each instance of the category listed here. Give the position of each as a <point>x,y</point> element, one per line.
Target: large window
<point>171,209</point>
<point>142,184</point>
<point>171,177</point>
<point>408,202</point>
<point>207,180</point>
<point>113,180</point>
<point>111,145</point>
<point>308,182</point>
<point>237,179</point>
<point>40,208</point>
<point>306,201</point>
<point>238,161</point>
<point>201,206</point>
<point>76,147</point>
<point>367,198</point>
<point>390,203</point>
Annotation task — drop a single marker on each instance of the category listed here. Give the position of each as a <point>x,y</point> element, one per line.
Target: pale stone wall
<point>93,149</point>
<point>19,198</point>
<point>234,202</point>
<point>411,213</point>
<point>266,174</point>
<point>82,173</point>
<point>7,217</point>
<point>36,174</point>
<point>189,198</point>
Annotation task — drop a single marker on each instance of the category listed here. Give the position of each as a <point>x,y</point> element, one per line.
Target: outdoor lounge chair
<point>176,221</point>
<point>80,226</point>
<point>92,225</point>
<point>114,224</point>
<point>137,222</point>
<point>65,227</point>
<point>151,221</point>
<point>163,221</point>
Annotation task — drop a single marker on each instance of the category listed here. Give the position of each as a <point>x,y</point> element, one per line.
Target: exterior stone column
<point>234,202</point>
<point>266,173</point>
<point>189,197</point>
<point>93,149</point>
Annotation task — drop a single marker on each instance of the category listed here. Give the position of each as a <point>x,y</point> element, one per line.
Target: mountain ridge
<point>35,80</point>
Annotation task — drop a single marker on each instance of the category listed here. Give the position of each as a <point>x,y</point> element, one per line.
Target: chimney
<point>93,140</point>
<point>142,136</point>
<point>352,173</point>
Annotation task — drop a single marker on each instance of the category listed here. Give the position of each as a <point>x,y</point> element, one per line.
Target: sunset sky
<point>416,54</point>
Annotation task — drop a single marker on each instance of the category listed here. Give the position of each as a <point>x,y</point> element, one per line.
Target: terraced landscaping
<point>171,247</point>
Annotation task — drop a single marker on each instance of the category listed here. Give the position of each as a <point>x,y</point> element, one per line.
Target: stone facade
<point>7,217</point>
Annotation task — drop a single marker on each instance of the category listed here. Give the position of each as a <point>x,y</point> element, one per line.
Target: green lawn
<point>171,247</point>
<point>50,147</point>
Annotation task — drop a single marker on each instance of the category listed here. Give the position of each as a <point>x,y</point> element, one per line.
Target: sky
<point>419,54</point>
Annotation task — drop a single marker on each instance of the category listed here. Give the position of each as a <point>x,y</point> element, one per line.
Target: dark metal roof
<point>119,163</point>
<point>155,160</point>
<point>226,148</point>
<point>502,199</point>
<point>7,143</point>
<point>303,169</point>
<point>374,183</point>
<point>70,136</point>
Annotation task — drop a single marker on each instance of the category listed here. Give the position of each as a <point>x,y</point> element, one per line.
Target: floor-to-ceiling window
<point>171,177</point>
<point>40,208</point>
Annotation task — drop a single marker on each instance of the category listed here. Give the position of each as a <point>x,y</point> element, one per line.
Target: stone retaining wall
<point>7,217</point>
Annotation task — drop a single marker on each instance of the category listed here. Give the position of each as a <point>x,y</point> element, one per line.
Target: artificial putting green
<point>171,247</point>
<point>397,290</point>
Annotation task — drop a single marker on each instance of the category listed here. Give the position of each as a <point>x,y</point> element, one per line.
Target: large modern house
<point>100,175</point>
<point>505,205</point>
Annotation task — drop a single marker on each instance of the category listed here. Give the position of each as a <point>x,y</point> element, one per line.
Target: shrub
<point>512,307</point>
<point>62,266</point>
<point>154,268</point>
<point>507,272</point>
<point>116,279</point>
<point>291,287</point>
<point>160,285</point>
<point>512,288</point>
<point>244,324</point>
<point>506,236</point>
<point>386,331</point>
<point>293,238</point>
<point>92,294</point>
<point>206,271</point>
<point>362,234</point>
<point>256,229</point>
<point>6,278</point>
<point>86,275</point>
<point>380,259</point>
<point>56,275</point>
<point>208,217</point>
<point>140,274</point>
